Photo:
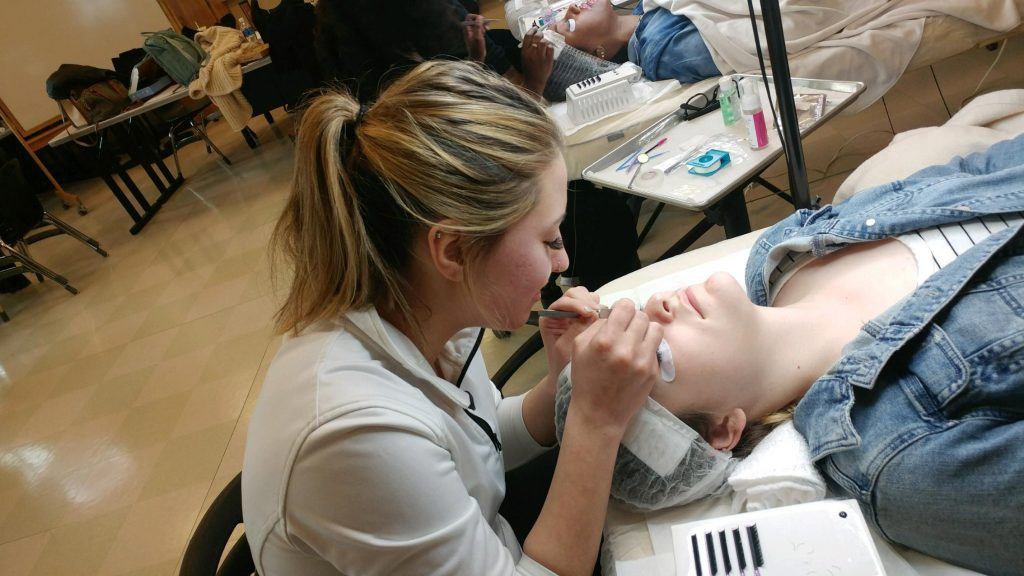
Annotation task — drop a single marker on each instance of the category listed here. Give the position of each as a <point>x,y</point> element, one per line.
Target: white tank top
<point>933,248</point>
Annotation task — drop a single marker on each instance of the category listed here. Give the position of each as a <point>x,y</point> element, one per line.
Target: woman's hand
<point>614,367</point>
<point>538,60</point>
<point>475,27</point>
<point>558,333</point>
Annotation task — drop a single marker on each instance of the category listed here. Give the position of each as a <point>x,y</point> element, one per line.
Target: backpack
<point>86,95</point>
<point>95,103</point>
<point>180,57</point>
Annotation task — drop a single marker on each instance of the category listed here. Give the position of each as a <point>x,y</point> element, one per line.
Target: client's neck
<point>799,344</point>
<point>620,33</point>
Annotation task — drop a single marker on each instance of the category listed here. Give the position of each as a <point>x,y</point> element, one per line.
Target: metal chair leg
<point>74,233</point>
<point>39,269</point>
<point>23,248</point>
<point>174,149</point>
<point>209,143</point>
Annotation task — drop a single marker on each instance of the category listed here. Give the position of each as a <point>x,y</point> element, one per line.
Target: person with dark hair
<point>366,44</point>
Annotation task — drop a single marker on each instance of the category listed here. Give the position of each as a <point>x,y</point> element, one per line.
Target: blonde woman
<point>379,445</point>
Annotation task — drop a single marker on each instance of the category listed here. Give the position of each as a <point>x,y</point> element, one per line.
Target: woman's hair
<point>365,43</point>
<point>752,434</point>
<point>447,142</point>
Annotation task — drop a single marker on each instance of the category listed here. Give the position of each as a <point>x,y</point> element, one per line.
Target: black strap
<point>482,423</point>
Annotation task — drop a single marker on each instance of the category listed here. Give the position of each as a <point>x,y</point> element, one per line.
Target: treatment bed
<point>636,543</point>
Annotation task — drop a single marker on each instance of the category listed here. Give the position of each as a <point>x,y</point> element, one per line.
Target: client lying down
<point>891,327</point>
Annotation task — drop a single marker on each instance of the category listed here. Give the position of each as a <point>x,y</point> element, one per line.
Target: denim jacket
<point>950,351</point>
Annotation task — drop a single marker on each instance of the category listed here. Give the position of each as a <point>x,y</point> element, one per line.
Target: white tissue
<point>778,472</point>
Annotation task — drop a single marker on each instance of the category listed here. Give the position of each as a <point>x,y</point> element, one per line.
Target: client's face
<point>594,21</point>
<point>709,328</point>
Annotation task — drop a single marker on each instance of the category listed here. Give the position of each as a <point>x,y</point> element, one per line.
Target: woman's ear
<point>725,431</point>
<point>445,250</point>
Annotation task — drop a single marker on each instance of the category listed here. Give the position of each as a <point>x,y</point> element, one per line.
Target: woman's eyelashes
<point>555,244</point>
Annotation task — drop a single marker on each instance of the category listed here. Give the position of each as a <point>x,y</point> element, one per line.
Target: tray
<point>692,192</point>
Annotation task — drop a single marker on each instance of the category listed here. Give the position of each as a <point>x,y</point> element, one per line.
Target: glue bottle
<point>728,100</point>
<point>753,115</point>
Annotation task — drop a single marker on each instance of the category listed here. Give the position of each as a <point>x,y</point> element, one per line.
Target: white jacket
<point>360,460</point>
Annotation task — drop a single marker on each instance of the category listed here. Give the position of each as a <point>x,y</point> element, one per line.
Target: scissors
<point>642,159</point>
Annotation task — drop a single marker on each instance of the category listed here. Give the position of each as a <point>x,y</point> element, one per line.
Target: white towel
<point>778,472</point>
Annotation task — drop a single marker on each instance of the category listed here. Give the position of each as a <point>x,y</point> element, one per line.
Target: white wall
<point>37,36</point>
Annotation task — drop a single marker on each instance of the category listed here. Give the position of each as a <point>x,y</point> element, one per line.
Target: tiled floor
<point>123,409</point>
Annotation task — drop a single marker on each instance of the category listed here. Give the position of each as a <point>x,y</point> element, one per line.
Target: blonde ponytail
<point>448,141</point>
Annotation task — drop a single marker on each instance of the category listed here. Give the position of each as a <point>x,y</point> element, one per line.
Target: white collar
<point>398,347</point>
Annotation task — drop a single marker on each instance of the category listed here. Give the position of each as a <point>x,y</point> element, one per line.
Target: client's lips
<point>692,301</point>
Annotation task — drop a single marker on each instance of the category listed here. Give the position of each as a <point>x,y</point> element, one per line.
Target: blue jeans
<point>666,45</point>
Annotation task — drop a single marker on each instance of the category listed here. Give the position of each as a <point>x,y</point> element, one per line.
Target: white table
<point>142,145</point>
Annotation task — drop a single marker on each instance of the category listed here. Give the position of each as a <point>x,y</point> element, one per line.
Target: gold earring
<point>600,52</point>
<point>437,234</point>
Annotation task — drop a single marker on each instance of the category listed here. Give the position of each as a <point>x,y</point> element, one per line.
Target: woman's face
<point>527,254</point>
<point>710,329</point>
<point>594,21</point>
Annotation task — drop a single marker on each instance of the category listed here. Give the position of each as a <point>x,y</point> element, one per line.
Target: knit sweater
<point>220,77</point>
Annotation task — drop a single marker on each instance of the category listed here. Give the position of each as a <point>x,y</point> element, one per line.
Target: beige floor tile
<point>213,402</point>
<point>166,568</point>
<point>237,356</point>
<point>85,443</point>
<point>176,375</point>
<point>915,102</point>
<point>79,548</point>
<point>201,333</point>
<point>138,301</point>
<point>150,424</point>
<point>143,352</point>
<point>188,460</point>
<point>87,371</point>
<point>11,423</point>
<point>19,392</point>
<point>221,296</point>
<point>56,414</point>
<point>116,394</point>
<point>164,315</point>
<point>19,557</point>
<point>958,77</point>
<point>155,531</point>
<point>33,511</point>
<point>110,484</point>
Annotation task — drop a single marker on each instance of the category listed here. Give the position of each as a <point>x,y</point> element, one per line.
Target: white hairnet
<point>662,462</point>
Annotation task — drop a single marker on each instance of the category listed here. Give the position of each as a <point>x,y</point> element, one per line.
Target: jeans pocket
<point>941,372</point>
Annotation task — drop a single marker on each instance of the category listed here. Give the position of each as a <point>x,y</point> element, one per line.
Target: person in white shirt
<point>379,445</point>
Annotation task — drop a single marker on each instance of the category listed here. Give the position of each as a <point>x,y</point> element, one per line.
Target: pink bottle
<point>753,115</point>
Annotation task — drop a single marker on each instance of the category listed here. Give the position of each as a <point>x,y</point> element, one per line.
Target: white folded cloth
<point>778,472</point>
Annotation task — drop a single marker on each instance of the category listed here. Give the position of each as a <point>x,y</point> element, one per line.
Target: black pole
<point>776,40</point>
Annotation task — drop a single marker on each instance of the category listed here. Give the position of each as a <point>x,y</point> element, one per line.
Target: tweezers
<point>536,315</point>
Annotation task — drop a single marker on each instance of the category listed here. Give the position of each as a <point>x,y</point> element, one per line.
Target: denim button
<point>870,222</point>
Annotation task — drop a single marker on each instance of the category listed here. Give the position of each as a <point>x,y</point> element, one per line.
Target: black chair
<point>186,123</point>
<point>204,551</point>
<point>23,221</point>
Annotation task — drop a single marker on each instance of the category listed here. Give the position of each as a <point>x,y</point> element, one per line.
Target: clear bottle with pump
<point>753,115</point>
<point>729,100</point>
